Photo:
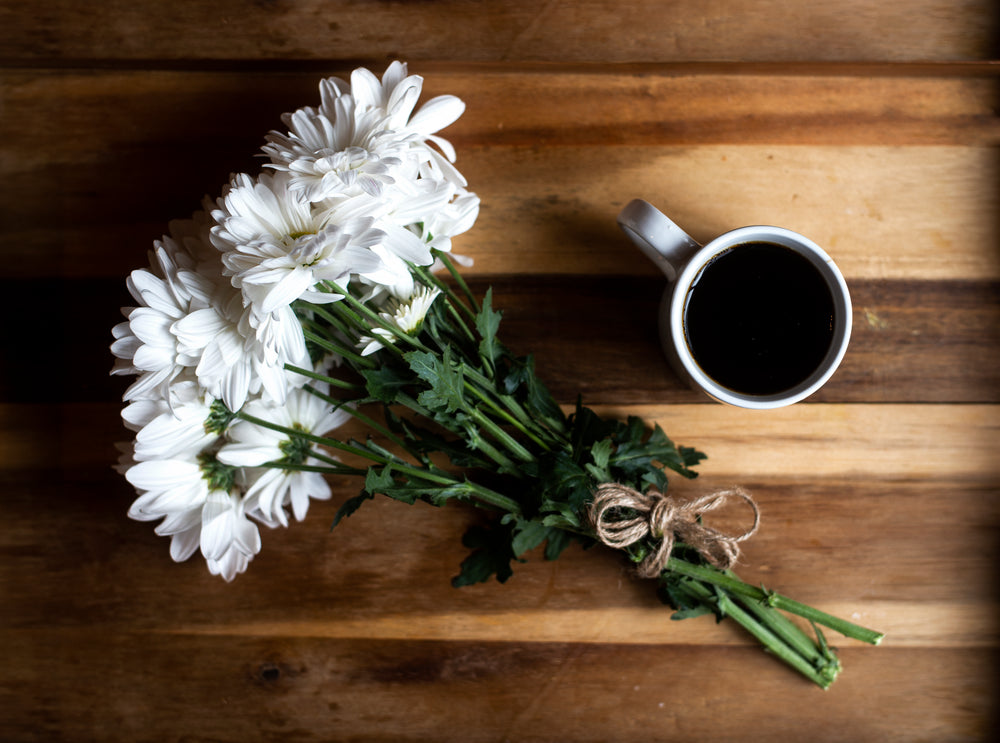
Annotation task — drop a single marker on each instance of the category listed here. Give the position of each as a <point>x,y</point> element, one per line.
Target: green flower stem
<point>496,500</point>
<point>370,422</point>
<point>500,459</point>
<point>330,318</point>
<point>320,456</point>
<point>505,415</point>
<point>848,629</point>
<point>362,312</point>
<point>771,641</point>
<point>458,319</point>
<point>430,279</point>
<point>448,264</point>
<point>820,657</point>
<point>481,493</point>
<point>325,469</point>
<point>487,386</point>
<point>332,347</point>
<point>731,583</point>
<point>501,436</point>
<point>504,462</point>
<point>332,381</point>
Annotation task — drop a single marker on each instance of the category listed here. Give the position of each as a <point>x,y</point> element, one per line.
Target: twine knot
<point>654,514</point>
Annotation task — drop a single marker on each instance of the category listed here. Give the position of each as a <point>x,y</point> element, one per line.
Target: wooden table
<point>871,127</point>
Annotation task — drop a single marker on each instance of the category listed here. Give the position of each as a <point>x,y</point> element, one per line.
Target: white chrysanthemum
<point>454,218</point>
<point>406,315</point>
<point>276,250</point>
<point>228,539</point>
<point>397,95</point>
<point>362,133</point>
<point>166,292</point>
<point>186,424</point>
<point>201,505</point>
<point>273,488</point>
<point>175,490</point>
<point>189,326</point>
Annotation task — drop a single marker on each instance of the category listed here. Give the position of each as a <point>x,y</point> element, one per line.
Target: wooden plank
<point>370,690</point>
<point>885,222</point>
<point>862,540</point>
<point>537,223</point>
<point>798,441</point>
<point>913,341</point>
<point>61,31</point>
<point>873,208</point>
<point>810,441</point>
<point>545,208</point>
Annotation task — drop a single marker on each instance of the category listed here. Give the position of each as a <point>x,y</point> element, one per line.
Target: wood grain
<point>871,127</point>
<point>417,691</point>
<point>870,202</point>
<point>464,31</point>
<point>912,341</point>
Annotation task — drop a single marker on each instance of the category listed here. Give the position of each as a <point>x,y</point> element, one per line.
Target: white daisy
<point>200,502</point>
<point>272,488</point>
<point>228,539</point>
<point>396,95</point>
<point>276,250</point>
<point>341,154</point>
<point>439,226</point>
<point>166,292</point>
<point>191,325</point>
<point>174,490</point>
<point>362,133</point>
<point>189,422</point>
<point>407,315</point>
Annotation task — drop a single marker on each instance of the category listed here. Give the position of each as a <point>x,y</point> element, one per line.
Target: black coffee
<point>759,319</point>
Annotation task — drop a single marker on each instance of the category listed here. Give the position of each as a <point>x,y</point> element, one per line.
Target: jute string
<point>664,519</point>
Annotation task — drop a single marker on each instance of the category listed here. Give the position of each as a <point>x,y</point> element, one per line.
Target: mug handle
<point>656,235</point>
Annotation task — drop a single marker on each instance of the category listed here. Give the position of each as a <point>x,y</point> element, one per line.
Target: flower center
<point>219,476</point>
<point>219,418</point>
<point>295,449</point>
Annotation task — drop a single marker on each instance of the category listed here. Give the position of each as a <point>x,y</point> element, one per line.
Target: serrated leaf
<point>600,452</point>
<point>379,480</point>
<point>558,541</point>
<point>490,556</point>
<point>528,535</point>
<point>446,383</point>
<point>350,506</point>
<point>487,323</point>
<point>384,383</point>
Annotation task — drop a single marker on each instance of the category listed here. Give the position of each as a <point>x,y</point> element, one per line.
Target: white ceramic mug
<point>684,261</point>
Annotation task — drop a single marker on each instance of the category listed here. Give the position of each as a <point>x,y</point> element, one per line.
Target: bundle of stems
<point>450,387</point>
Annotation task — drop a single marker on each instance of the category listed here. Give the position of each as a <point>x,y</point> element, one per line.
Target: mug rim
<point>824,265</point>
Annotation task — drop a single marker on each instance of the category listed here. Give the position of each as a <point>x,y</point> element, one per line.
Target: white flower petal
<point>248,455</point>
<point>436,114</point>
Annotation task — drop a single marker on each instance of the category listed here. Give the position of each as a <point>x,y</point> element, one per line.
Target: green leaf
<point>446,390</point>
<point>379,480</point>
<point>528,535</point>
<point>673,591</point>
<point>487,323</point>
<point>384,383</point>
<point>491,556</point>
<point>600,452</point>
<point>588,429</point>
<point>350,506</point>
<point>565,486</point>
<point>557,542</point>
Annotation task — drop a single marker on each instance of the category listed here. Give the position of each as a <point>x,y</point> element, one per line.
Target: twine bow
<point>657,515</point>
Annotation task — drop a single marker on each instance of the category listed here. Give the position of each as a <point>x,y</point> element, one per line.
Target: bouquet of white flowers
<point>323,291</point>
